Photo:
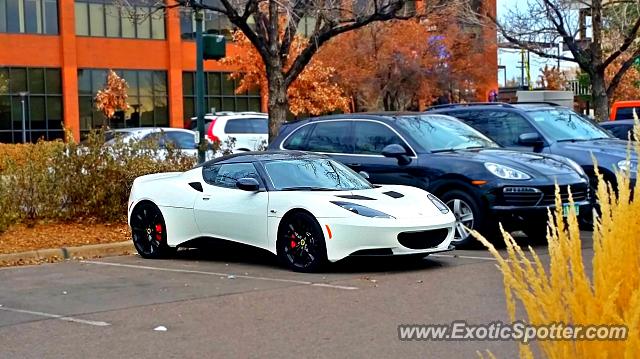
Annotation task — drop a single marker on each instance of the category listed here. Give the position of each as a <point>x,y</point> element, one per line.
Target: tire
<point>149,232</point>
<point>300,245</point>
<point>467,211</point>
<point>537,232</point>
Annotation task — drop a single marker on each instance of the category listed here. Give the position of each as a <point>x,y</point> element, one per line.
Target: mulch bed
<point>21,238</point>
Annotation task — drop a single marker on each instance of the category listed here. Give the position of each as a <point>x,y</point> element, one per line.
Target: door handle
<point>206,198</point>
<point>354,165</point>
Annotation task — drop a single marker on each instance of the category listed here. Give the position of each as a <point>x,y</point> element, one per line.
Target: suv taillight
<point>212,137</point>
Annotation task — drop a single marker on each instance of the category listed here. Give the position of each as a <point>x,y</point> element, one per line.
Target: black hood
<point>608,147</point>
<point>532,163</point>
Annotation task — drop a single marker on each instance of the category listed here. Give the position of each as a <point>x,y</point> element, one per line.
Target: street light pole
<point>23,94</point>
<point>200,86</point>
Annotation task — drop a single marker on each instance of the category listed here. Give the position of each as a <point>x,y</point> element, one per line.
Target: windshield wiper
<point>452,149</point>
<point>310,188</point>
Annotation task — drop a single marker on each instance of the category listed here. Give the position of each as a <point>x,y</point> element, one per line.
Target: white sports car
<point>305,208</point>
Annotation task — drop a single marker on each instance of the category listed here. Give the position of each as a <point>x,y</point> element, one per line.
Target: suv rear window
<point>626,113</point>
<point>247,125</point>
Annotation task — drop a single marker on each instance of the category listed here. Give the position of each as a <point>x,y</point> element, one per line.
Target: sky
<point>511,58</point>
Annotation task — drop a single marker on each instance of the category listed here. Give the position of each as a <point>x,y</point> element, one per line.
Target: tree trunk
<point>278,102</point>
<point>599,96</point>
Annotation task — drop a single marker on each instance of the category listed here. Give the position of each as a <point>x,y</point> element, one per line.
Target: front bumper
<point>426,234</point>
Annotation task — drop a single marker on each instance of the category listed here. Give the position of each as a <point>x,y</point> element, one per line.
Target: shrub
<point>566,292</point>
<point>71,181</point>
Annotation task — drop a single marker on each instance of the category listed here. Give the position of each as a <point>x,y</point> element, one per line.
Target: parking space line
<point>56,316</point>
<point>218,274</point>
<point>459,256</point>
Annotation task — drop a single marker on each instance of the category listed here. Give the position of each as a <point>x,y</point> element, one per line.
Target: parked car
<point>481,182</point>
<point>624,110</point>
<point>307,209</point>
<point>621,129</point>
<point>178,139</point>
<point>551,129</point>
<point>250,130</point>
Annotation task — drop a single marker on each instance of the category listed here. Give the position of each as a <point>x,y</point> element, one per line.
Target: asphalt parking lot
<point>230,303</point>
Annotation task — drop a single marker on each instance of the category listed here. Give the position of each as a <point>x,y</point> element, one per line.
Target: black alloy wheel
<point>149,232</point>
<point>301,244</point>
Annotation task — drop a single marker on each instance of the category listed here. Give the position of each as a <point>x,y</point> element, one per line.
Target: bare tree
<point>271,26</point>
<point>534,24</point>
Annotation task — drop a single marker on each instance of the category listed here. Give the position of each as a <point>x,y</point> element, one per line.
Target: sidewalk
<point>59,254</point>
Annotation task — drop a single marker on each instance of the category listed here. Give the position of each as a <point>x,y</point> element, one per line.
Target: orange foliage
<point>313,92</point>
<point>629,86</point>
<point>397,64</point>
<point>113,97</point>
<point>551,78</point>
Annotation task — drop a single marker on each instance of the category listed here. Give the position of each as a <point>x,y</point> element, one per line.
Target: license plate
<point>567,207</point>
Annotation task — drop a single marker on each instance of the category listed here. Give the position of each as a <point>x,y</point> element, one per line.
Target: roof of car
<point>149,129</point>
<point>525,106</point>
<point>258,156</point>
<point>616,123</point>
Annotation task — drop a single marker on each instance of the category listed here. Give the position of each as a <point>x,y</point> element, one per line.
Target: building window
<point>219,94</point>
<point>147,99</point>
<point>213,22</point>
<point>105,18</point>
<point>29,16</point>
<point>42,103</point>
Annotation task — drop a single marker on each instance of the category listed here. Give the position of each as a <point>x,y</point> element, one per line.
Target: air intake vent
<point>355,196</point>
<point>394,194</point>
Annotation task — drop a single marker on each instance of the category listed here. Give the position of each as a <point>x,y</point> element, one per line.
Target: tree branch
<point>615,81</point>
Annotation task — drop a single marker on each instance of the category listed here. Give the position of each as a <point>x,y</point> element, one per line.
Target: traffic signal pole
<point>200,87</point>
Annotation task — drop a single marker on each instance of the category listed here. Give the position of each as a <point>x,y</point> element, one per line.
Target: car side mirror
<point>364,175</point>
<point>248,184</point>
<point>530,139</point>
<point>398,152</point>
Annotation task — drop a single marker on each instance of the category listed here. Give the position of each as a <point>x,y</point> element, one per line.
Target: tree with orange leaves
<point>113,97</point>
<point>314,92</point>
<point>629,86</point>
<point>551,78</point>
<point>396,65</point>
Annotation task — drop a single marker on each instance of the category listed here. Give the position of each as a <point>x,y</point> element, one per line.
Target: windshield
<point>110,136</point>
<point>443,133</point>
<point>566,125</point>
<point>314,174</point>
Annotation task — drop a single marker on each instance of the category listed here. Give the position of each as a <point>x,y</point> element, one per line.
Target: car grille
<point>545,196</point>
<point>423,239</point>
<point>580,192</point>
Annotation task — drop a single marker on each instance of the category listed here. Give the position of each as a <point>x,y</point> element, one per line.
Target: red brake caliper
<point>293,243</point>
<point>158,232</point>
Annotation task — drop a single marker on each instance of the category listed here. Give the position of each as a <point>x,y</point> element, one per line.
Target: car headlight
<point>438,203</point>
<point>361,210</point>
<point>506,172</point>
<point>626,165</point>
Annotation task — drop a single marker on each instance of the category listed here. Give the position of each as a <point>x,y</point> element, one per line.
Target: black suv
<point>547,128</point>
<point>481,182</point>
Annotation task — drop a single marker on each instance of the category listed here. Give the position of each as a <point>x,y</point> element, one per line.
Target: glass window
<point>330,137</point>
<point>372,137</point>
<point>5,113</point>
<point>53,80</point>
<point>187,83</point>
<point>3,15</point>
<point>128,27</point>
<point>501,126</point>
<point>144,83</point>
<point>143,24</point>
<point>96,19</point>
<point>441,133</point>
<point>181,140</point>
<point>36,81</point>
<point>13,16</point>
<point>157,25</point>
<point>18,80</point>
<point>32,16</point>
<point>82,19</point>
<point>112,14</point>
<point>51,16</point>
<point>247,125</point>
<point>226,175</point>
<point>297,140</point>
<point>215,100</point>
<point>54,113</point>
<point>566,125</point>
<point>313,174</point>
<point>627,113</point>
<point>37,115</point>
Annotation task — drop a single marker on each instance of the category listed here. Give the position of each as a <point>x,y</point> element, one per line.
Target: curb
<point>58,254</point>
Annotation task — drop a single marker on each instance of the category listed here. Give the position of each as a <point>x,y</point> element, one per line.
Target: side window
<point>330,137</point>
<point>297,139</point>
<point>226,175</point>
<point>247,125</point>
<point>372,137</point>
<point>181,140</point>
<point>504,127</point>
<point>621,132</point>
